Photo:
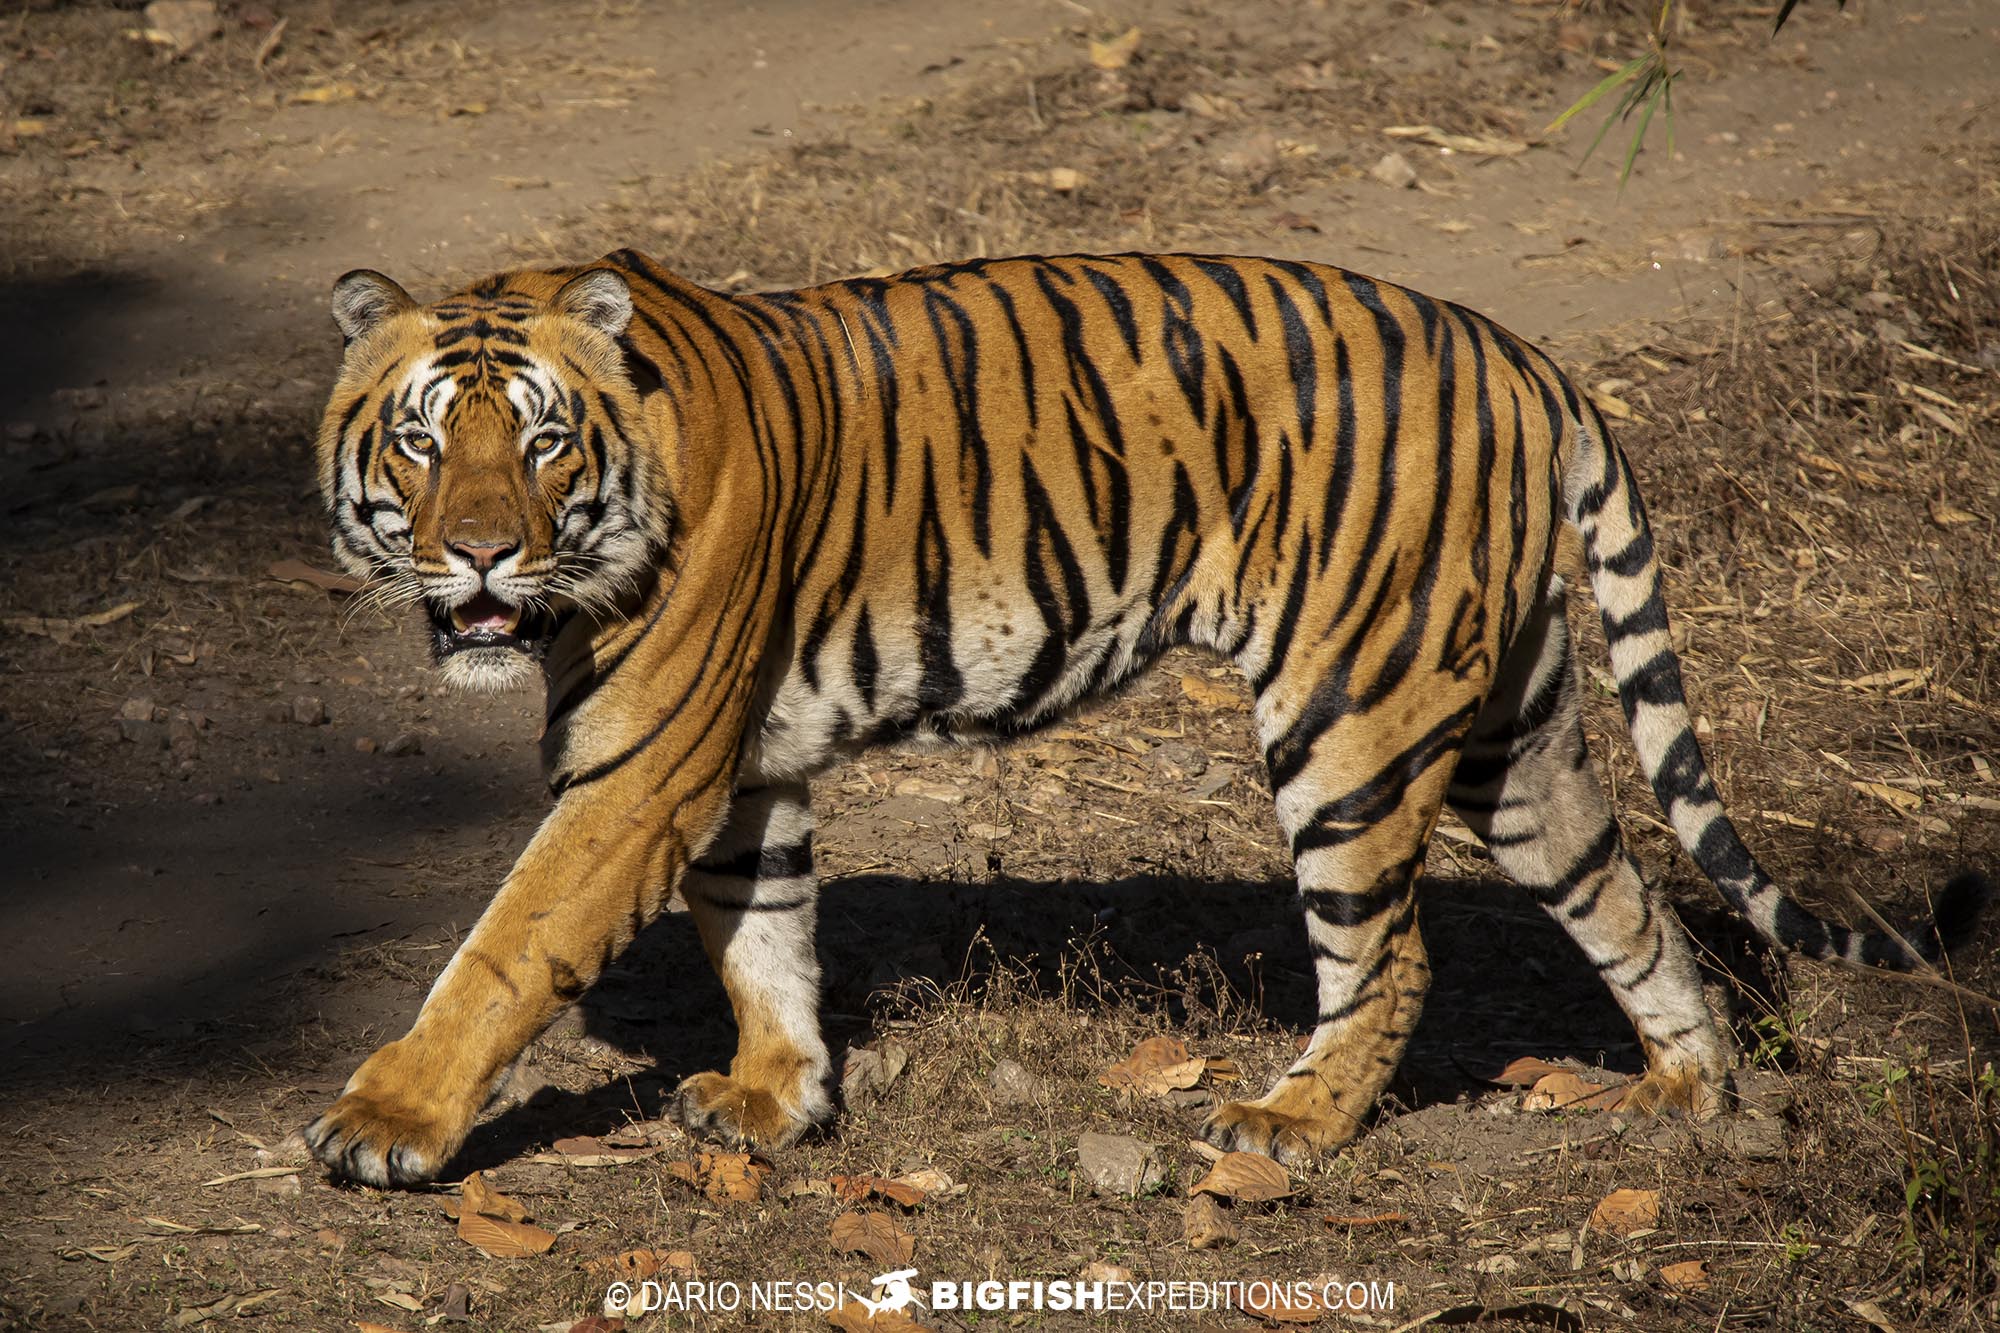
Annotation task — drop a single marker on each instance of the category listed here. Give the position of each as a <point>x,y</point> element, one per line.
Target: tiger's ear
<point>598,297</point>
<point>364,298</point>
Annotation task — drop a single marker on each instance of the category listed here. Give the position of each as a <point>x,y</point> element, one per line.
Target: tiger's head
<point>487,457</point>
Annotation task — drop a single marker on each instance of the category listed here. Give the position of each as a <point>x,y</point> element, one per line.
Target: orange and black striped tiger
<point>742,537</point>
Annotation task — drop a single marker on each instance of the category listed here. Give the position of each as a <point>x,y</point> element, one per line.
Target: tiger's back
<point>746,535</point>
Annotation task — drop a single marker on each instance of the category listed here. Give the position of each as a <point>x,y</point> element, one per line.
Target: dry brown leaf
<point>1148,1068</point>
<point>1246,1176</point>
<point>500,1239</point>
<point>1479,145</point>
<point>1205,1226</point>
<point>63,629</point>
<point>1564,1091</point>
<point>476,1196</point>
<point>929,1179</point>
<point>853,1189</point>
<point>1688,1275</point>
<point>1623,1212</point>
<point>1893,796</point>
<point>725,1177</point>
<point>365,1326</point>
<point>592,1152</point>
<point>1946,515</point>
<point>1116,53</point>
<point>298,571</point>
<point>1209,694</point>
<point>326,93</point>
<point>875,1235</point>
<point>638,1265</point>
<point>1525,1072</point>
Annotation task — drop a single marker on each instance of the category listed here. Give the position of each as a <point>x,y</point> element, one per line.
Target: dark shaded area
<point>52,331</point>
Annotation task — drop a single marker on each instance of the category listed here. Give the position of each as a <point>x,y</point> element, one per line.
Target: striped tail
<point>1603,502</point>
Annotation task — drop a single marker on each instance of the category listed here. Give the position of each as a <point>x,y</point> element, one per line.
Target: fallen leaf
<point>854,1189</point>
<point>1063,180</point>
<point>1100,1271</point>
<point>731,1177</point>
<point>499,1239</point>
<point>929,1179</point>
<point>1564,1091</point>
<point>365,1326</point>
<point>400,1300</point>
<point>591,1152</point>
<point>1525,1072</point>
<point>1205,1226</point>
<point>62,629</point>
<point>1157,1066</point>
<point>870,1070</point>
<point>1895,796</point>
<point>1688,1275</point>
<point>1116,53</point>
<point>875,1235</point>
<point>476,1196</point>
<point>1947,515</point>
<point>638,1265</point>
<point>326,93</point>
<point>1623,1212</point>
<point>1209,694</point>
<point>1294,222</point>
<point>1246,1176</point>
<point>298,571</point>
<point>1479,145</point>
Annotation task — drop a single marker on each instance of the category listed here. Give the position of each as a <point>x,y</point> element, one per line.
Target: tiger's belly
<point>996,671</point>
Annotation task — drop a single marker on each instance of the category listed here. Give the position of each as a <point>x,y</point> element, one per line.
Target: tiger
<point>742,537</point>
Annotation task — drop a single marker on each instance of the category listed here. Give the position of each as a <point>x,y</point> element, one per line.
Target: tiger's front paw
<point>1291,1139</point>
<point>731,1112</point>
<point>391,1126</point>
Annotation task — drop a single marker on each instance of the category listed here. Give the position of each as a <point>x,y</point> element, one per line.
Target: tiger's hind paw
<point>728,1111</point>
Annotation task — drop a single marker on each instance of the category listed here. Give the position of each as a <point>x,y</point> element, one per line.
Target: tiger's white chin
<point>489,670</point>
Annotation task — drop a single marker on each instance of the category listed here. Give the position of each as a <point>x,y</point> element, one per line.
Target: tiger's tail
<point>1602,501</point>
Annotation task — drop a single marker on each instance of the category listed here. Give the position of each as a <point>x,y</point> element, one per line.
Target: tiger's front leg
<point>754,897</point>
<point>586,884</point>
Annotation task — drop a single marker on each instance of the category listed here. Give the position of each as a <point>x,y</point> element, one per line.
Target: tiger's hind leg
<point>1527,786</point>
<point>754,899</point>
<point>1358,802</point>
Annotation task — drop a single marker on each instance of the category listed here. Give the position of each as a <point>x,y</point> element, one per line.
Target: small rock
<point>278,711</point>
<point>282,1186</point>
<point>1191,1099</point>
<point>366,744</point>
<point>405,744</point>
<point>136,710</point>
<point>1395,171</point>
<point>185,24</point>
<point>309,710</point>
<point>989,832</point>
<point>1254,157</point>
<point>1116,1164</point>
<point>145,735</point>
<point>1219,776</point>
<point>1177,761</point>
<point>1205,1226</point>
<point>1013,1085</point>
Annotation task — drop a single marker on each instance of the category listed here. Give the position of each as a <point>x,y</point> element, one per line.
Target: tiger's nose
<point>485,555</point>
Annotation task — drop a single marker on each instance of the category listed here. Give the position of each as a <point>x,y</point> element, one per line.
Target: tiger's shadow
<point>1506,980</point>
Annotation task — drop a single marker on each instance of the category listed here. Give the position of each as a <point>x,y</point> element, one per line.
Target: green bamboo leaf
<point>1639,135</point>
<point>1610,81</point>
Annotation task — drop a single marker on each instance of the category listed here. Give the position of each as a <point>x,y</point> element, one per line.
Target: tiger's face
<point>484,457</point>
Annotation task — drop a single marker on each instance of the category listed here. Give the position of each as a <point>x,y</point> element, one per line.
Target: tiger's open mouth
<point>485,621</point>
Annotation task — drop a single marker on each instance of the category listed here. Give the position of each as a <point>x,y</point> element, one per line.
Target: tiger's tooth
<point>458,620</point>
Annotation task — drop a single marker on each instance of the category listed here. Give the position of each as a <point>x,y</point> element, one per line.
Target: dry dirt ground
<point>241,832</point>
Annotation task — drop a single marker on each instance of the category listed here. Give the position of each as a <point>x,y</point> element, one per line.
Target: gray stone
<point>1116,1164</point>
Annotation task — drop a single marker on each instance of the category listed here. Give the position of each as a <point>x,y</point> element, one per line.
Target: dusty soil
<point>242,833</point>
